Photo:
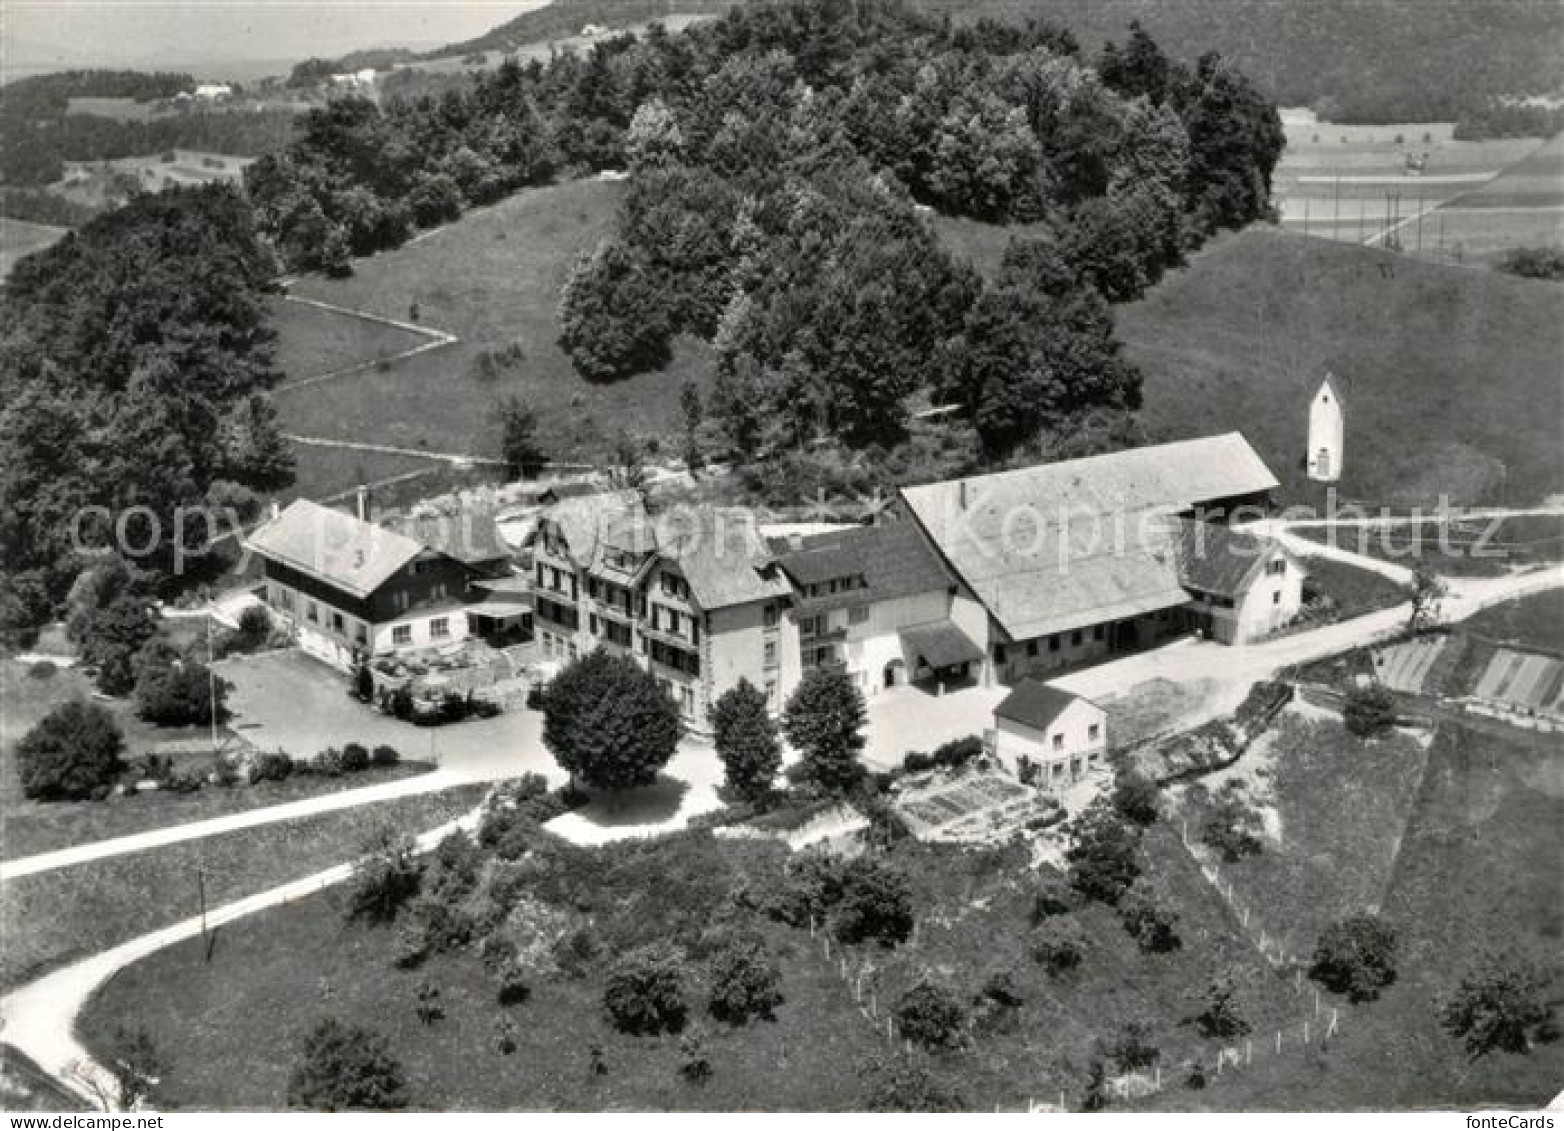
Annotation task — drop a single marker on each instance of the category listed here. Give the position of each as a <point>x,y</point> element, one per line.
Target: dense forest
<point>38,134</point>
<point>1353,60</point>
<point>134,364</point>
<point>780,155</point>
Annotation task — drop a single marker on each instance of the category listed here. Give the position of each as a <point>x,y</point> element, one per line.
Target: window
<point>1075,639</point>
<point>1097,632</point>
<point>1053,642</point>
<point>771,692</point>
<point>771,616</point>
<point>312,612</point>
<point>1276,598</point>
<point>400,600</point>
<point>999,653</point>
<point>771,654</point>
<point>361,634</point>
<point>858,615</point>
<point>336,622</point>
<point>441,591</point>
<point>1058,743</point>
<point>402,634</point>
<point>592,623</point>
<point>1031,647</point>
<point>439,628</point>
<point>1277,567</point>
<point>1094,732</point>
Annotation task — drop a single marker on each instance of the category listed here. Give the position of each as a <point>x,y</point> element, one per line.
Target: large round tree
<point>824,722</point>
<point>609,723</point>
<point>72,751</point>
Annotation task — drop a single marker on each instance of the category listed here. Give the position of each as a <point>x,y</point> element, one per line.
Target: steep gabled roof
<point>469,535</point>
<point>338,548</point>
<point>1036,704</point>
<point>1216,558</point>
<point>1336,386</point>
<point>586,522</point>
<point>1064,545</point>
<point>721,554</point>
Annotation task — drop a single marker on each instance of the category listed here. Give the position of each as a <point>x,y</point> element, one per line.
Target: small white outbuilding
<point>1327,431</point>
<point>1043,729</point>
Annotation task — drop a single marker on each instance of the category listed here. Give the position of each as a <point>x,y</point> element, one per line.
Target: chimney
<point>276,509</point>
<point>361,501</point>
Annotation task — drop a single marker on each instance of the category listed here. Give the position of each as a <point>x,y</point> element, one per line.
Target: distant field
<point>674,22</point>
<point>21,237</point>
<point>1536,182</point>
<point>93,183</point>
<point>119,109</point>
<point>493,279</point>
<point>1452,376</point>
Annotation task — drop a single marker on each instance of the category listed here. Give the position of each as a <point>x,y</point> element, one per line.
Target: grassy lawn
<point>312,341</point>
<point>1354,589</point>
<point>1451,376</point>
<point>1535,621</point>
<point>1472,548</point>
<point>50,918</point>
<point>493,279</point>
<point>28,827</point>
<point>22,237</point>
<point>321,473</point>
<point>982,245</point>
<point>1339,806</point>
<point>1478,867</point>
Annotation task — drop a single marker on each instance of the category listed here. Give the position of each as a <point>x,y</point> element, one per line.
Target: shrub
<point>328,763</point>
<point>1104,860</point>
<point>496,951</point>
<point>811,886</point>
<point>1370,710</point>
<point>455,865</point>
<point>355,758</point>
<point>958,751</point>
<point>1002,988</point>
<point>900,1084</point>
<point>931,1015</point>
<point>576,950</point>
<point>694,1061</point>
<point>1150,924</point>
<point>1053,896</point>
<point>255,624</point>
<point>1498,1006</point>
<point>1228,827</point>
<point>645,991</point>
<point>1058,945</point>
<point>385,879</point>
<point>1131,1049</point>
<point>427,1003</point>
<point>411,944</point>
<point>916,762</point>
<point>346,1068</point>
<point>446,927</point>
<point>1136,798</point>
<point>173,692</point>
<point>745,981</point>
<point>875,904</point>
<point>1356,956</point>
<point>270,766</point>
<point>1220,1019</point>
<point>70,752</point>
<point>384,756</point>
<point>510,983</point>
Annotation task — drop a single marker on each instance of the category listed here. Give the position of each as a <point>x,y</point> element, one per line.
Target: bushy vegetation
<point>172,691</point>
<point>1534,263</point>
<point>1500,1005</point>
<point>1105,856</point>
<point>343,1067</point>
<point>745,980</point>
<point>385,879</point>
<point>1356,956</point>
<point>930,1015</point>
<point>746,741</point>
<point>73,752</point>
<point>1370,710</point>
<point>645,991</point>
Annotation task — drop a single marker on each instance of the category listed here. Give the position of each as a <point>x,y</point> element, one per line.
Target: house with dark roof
<point>1045,734</point>
<point>349,588</point>
<point>877,602</point>
<point>1077,560</point>
<point>1241,587</point>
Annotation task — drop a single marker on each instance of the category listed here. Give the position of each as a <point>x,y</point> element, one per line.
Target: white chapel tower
<point>1327,431</point>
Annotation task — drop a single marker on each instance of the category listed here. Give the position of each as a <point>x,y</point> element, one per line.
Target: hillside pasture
<point>1536,621</point>
<point>1451,376</point>
<point>493,279</point>
<point>20,238</point>
<point>313,342</point>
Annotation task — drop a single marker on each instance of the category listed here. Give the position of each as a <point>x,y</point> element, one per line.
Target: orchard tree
<point>70,752</point>
<point>1105,856</point>
<point>746,740</point>
<point>1428,593</point>
<point>1370,710</point>
<point>1499,1005</point>
<point>824,721</point>
<point>1136,797</point>
<point>346,1068</point>
<point>900,1083</point>
<point>875,904</point>
<point>112,638</point>
<point>171,691</point>
<point>745,980</point>
<point>607,722</point>
<point>1220,1018</point>
<point>645,991</point>
<point>1356,956</point>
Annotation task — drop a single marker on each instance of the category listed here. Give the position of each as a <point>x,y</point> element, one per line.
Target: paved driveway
<point>289,701</point>
<point>908,718</point>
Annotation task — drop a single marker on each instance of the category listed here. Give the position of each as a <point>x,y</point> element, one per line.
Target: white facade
<point>1327,433</point>
<point>334,636</point>
<point>1073,743</point>
<point>1268,603</point>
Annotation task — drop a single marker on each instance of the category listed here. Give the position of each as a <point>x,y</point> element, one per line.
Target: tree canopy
<point>608,722</point>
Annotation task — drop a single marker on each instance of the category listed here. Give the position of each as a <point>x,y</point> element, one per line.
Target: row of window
<point>677,658</point>
<point>555,580</point>
<point>610,630</point>
<point>836,585</point>
<point>439,629</point>
<point>562,615</point>
<point>1055,642</point>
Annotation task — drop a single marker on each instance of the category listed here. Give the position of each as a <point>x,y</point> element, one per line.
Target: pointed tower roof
<point>1336,386</point>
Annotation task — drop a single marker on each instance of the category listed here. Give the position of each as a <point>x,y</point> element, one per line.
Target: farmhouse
<point>1241,588</point>
<point>1075,561</point>
<point>1043,731</point>
<point>877,603</point>
<point>349,588</point>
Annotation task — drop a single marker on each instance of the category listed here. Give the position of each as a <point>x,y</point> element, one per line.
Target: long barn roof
<point>1080,542</point>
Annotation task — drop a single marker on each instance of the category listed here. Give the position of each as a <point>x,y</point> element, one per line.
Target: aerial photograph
<point>772,556</point>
